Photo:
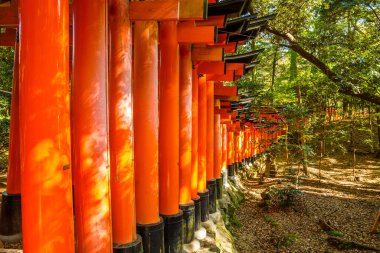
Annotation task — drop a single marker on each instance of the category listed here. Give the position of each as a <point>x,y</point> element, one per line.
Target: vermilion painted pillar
<point>230,152</point>
<point>211,182</point>
<point>145,114</point>
<point>250,134</point>
<point>241,141</point>
<point>169,124</point>
<point>10,216</point>
<point>236,148</point>
<point>185,152</point>
<point>224,147</point>
<point>46,186</point>
<point>14,176</point>
<point>202,147</point>
<point>210,131</point>
<point>121,129</point>
<point>243,144</point>
<point>194,135</point>
<point>218,156</point>
<point>185,123</point>
<point>90,127</point>
<point>194,150</point>
<point>169,137</point>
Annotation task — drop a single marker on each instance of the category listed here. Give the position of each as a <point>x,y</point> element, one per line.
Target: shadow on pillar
<point>197,213</point>
<point>204,205</point>
<point>10,218</point>
<point>134,247</point>
<point>173,234</point>
<point>231,170</point>
<point>211,186</point>
<point>219,188</point>
<point>152,236</point>
<point>188,222</point>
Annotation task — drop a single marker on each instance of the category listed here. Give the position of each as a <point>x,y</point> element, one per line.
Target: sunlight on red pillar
<point>90,127</point>
<point>145,114</point>
<point>47,210</point>
<point>169,118</point>
<point>121,125</point>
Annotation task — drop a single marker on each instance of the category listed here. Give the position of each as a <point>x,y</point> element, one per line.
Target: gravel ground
<point>349,206</point>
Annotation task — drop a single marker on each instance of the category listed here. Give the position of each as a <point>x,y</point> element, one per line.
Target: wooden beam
<point>154,10</point>
<point>212,68</point>
<point>190,34</point>
<point>238,67</point>
<point>231,99</point>
<point>194,10</point>
<point>9,16</point>
<point>8,39</point>
<point>225,104</point>
<point>219,21</point>
<point>228,77</point>
<point>229,48</point>
<point>221,40</point>
<point>226,91</point>
<point>207,54</point>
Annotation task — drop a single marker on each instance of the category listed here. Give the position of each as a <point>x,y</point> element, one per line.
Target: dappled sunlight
<point>92,189</point>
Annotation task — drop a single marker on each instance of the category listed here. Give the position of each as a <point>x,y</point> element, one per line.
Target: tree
<point>339,37</point>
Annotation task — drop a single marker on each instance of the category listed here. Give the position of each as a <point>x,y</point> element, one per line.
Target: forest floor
<point>348,206</point>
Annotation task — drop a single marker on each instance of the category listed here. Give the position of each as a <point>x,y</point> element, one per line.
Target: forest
<point>321,70</point>
<point>321,65</point>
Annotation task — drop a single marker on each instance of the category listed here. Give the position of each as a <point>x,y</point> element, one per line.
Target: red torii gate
<point>126,141</point>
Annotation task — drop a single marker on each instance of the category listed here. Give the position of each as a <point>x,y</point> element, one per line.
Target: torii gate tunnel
<point>121,126</point>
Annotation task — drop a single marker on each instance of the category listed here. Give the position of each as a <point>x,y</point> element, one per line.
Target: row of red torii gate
<point>121,126</point>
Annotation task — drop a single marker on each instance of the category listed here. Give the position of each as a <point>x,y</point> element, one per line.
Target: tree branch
<point>6,93</point>
<point>343,88</point>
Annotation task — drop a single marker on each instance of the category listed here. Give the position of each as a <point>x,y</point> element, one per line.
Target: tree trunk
<point>378,130</point>
<point>344,88</point>
<point>273,72</point>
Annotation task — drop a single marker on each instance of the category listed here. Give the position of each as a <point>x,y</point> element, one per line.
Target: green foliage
<point>284,240</point>
<point>335,233</point>
<point>270,220</point>
<point>281,197</point>
<point>6,76</point>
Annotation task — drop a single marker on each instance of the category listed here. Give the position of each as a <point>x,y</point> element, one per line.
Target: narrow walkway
<point>350,210</point>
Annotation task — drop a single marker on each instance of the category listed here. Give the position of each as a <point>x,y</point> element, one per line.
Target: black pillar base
<point>197,213</point>
<point>173,233</point>
<point>204,205</point>
<point>10,218</point>
<point>188,222</point>
<point>211,186</point>
<point>236,167</point>
<point>133,247</point>
<point>231,170</point>
<point>152,237</point>
<point>219,188</point>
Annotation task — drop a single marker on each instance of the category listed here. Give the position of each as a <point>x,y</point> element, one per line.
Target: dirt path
<point>349,206</point>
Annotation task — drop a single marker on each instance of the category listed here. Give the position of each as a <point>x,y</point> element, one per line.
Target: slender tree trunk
<point>344,87</point>
<point>378,130</point>
<point>273,73</point>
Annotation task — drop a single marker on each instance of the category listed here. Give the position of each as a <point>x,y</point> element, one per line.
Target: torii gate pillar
<point>145,113</point>
<point>121,131</point>
<point>10,217</point>
<point>169,136</point>
<point>46,185</point>
<point>90,128</point>
<point>203,192</point>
